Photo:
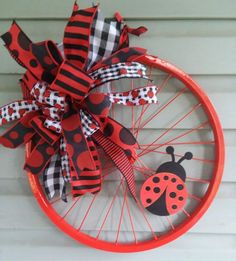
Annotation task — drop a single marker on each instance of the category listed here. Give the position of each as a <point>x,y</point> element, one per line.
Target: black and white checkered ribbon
<point>16,110</point>
<point>104,39</point>
<point>57,174</point>
<point>89,125</point>
<point>53,180</point>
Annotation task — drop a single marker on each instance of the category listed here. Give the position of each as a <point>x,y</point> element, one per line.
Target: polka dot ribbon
<point>58,103</point>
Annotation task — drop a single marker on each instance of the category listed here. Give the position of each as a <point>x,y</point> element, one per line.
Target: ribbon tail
<point>128,54</point>
<point>124,37</point>
<point>76,144</point>
<point>40,157</point>
<point>135,97</point>
<point>120,136</point>
<point>118,156</point>
<point>20,133</point>
<point>118,71</point>
<point>53,179</point>
<point>89,181</point>
<point>76,40</point>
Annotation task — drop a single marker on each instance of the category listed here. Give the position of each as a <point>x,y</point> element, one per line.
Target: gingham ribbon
<point>60,114</point>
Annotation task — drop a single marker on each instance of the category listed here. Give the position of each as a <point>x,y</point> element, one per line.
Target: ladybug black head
<point>175,167</point>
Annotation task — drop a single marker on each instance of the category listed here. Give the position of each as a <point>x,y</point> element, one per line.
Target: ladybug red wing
<point>163,194</point>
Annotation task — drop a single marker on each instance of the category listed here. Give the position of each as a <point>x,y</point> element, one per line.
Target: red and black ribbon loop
<point>61,115</point>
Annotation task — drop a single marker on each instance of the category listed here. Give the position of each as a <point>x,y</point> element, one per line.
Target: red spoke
<point>187,132</point>
<point>141,163</point>
<point>143,172</point>
<point>140,207</point>
<point>181,136</point>
<point>163,107</point>
<point>148,223</point>
<point>140,116</point>
<point>160,88</point>
<point>179,155</point>
<point>205,181</point>
<point>158,92</point>
<point>87,212</point>
<point>144,169</point>
<point>121,215</point>
<point>140,119</point>
<point>181,143</point>
<point>195,107</point>
<point>194,197</point>
<point>130,218</point>
<point>144,109</point>
<point>110,207</point>
<point>170,222</point>
<point>186,213</point>
<point>69,210</point>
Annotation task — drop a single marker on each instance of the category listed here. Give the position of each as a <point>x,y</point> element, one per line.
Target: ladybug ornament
<point>165,193</point>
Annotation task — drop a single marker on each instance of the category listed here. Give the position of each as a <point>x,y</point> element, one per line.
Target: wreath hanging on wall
<point>65,120</point>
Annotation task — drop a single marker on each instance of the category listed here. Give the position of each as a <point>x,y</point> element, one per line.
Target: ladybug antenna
<point>187,156</point>
<point>170,150</point>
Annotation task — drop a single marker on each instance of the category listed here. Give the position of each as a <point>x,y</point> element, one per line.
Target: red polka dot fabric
<point>61,115</point>
<point>139,96</point>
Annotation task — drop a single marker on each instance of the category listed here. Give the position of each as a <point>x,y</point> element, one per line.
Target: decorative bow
<point>60,114</point>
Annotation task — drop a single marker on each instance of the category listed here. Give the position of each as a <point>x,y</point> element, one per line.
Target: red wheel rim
<point>198,211</point>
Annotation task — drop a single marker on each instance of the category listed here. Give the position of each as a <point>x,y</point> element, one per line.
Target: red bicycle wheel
<point>184,119</point>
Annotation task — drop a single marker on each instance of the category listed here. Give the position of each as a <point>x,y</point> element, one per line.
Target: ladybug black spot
<point>156,190</point>
<point>149,200</point>
<point>180,187</point>
<point>156,179</point>
<point>173,180</point>
<point>126,138</point>
<point>172,194</point>
<point>148,188</point>
<point>181,198</point>
<point>33,63</point>
<point>7,38</point>
<point>108,130</point>
<point>166,177</point>
<point>174,206</point>
<point>23,41</point>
